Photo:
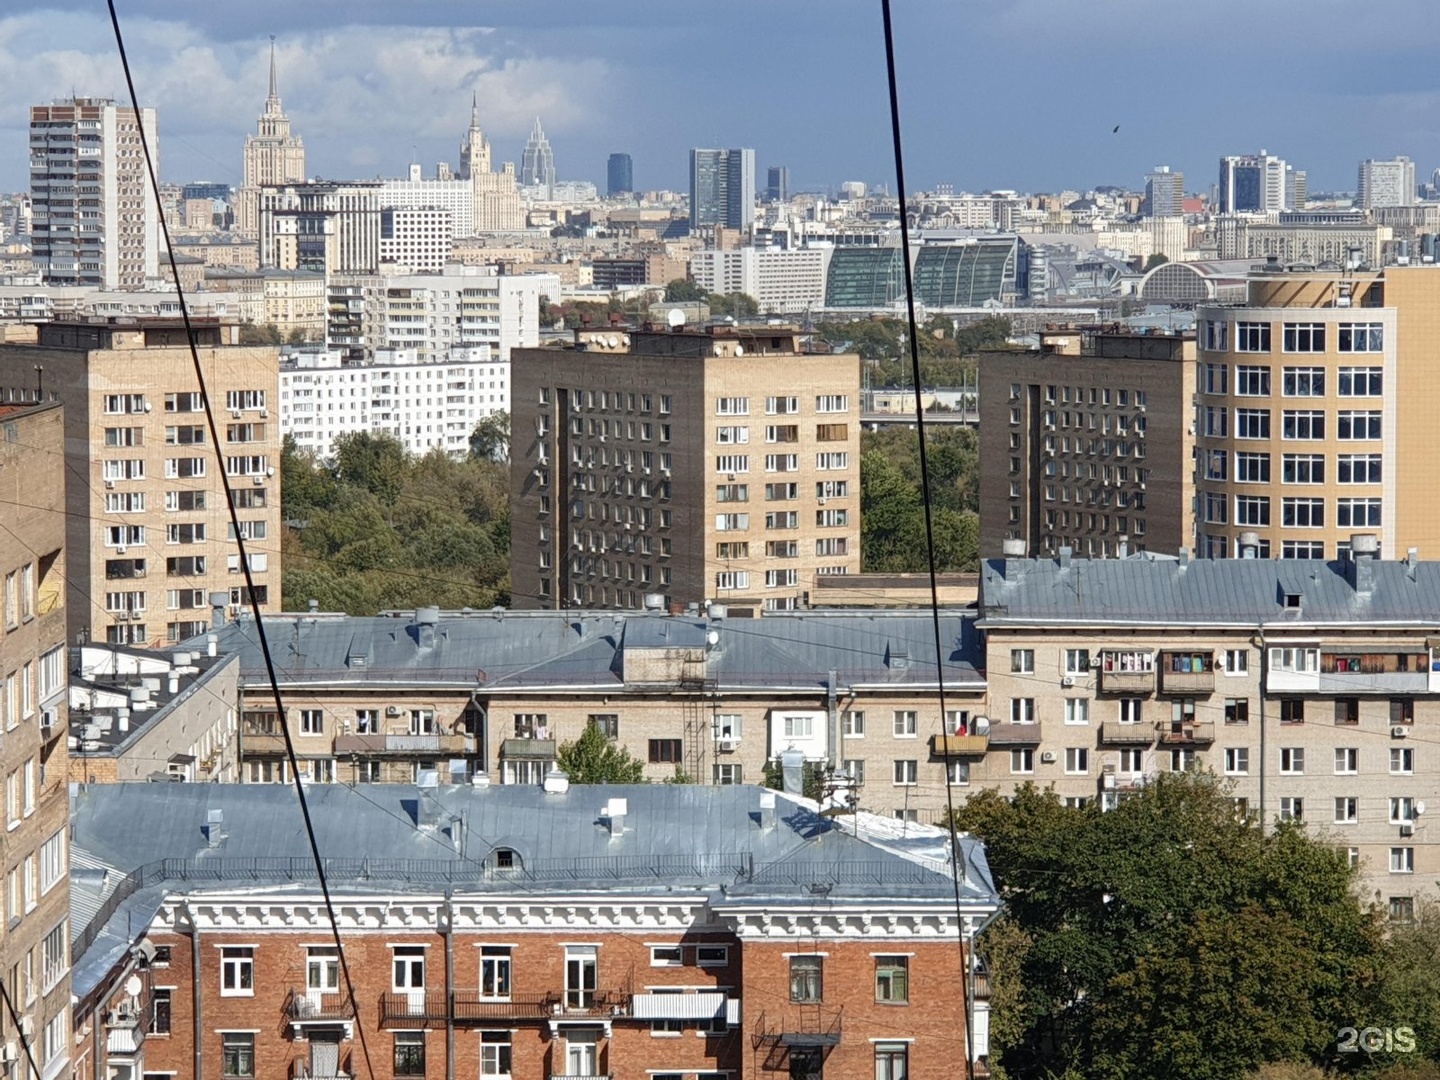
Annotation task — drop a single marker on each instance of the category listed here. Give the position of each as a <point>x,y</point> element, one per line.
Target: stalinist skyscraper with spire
<point>497,200</point>
<point>272,156</point>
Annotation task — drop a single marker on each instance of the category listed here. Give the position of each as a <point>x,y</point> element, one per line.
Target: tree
<point>1157,259</point>
<point>490,441</point>
<point>1167,938</point>
<point>596,759</point>
<point>812,778</point>
<point>892,514</point>
<point>682,291</point>
<point>738,304</point>
<point>266,334</point>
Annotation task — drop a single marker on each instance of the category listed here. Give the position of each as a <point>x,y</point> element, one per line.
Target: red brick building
<point>654,931</point>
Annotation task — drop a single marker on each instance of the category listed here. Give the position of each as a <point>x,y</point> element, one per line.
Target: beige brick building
<point>147,526</point>
<point>1311,688</point>
<point>1088,443</point>
<point>714,465</point>
<point>35,953</point>
<point>1316,418</point>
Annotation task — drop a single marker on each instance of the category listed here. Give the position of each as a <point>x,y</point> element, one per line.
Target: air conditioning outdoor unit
<point>729,745</point>
<point>27,1026</point>
<point>1068,680</point>
<point>1407,830</point>
<point>47,719</point>
<point>10,1052</point>
<point>1399,731</point>
<point>258,481</point>
<point>1048,757</point>
<point>264,414</point>
<point>109,485</point>
<point>392,710</point>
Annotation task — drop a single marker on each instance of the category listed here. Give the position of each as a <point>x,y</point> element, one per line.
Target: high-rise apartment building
<point>328,226</point>
<point>272,156</point>
<point>34,665</point>
<point>619,175</point>
<point>418,239</point>
<point>1385,183</point>
<point>1316,414</point>
<point>537,162</point>
<point>780,281</point>
<point>1164,192</point>
<point>1259,184</point>
<point>722,188</point>
<point>497,200</point>
<point>1086,444</point>
<point>720,465</point>
<point>147,530</point>
<point>96,222</point>
<point>777,183</point>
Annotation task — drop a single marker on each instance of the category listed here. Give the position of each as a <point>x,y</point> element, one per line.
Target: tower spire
<point>474,111</point>
<point>274,92</point>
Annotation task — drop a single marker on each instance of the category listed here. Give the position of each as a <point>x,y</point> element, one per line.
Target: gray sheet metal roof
<point>707,839</point>
<point>542,650</point>
<point>1147,589</point>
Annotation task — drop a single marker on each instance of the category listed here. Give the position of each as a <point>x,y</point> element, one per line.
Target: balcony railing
<point>954,745</point>
<point>1185,734</point>
<point>799,1025</point>
<point>1113,731</point>
<point>313,1007</point>
<point>466,1006</point>
<point>579,1076</point>
<point>445,745</point>
<point>1379,682</point>
<point>1187,682</point>
<point>262,744</point>
<point>470,1005</point>
<point>1008,734</point>
<point>1127,682</point>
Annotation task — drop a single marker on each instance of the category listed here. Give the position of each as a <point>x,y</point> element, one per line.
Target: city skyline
<point>354,93</point>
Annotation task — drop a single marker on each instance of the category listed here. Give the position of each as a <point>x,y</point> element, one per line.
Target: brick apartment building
<point>35,951</point>
<point>668,931</point>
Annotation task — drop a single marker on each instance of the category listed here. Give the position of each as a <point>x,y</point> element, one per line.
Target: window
<point>1022,761</point>
<point>732,406</point>
<point>667,956</point>
<point>1077,710</point>
<point>806,985</point>
<point>1237,761</point>
<point>52,862</point>
<point>160,1012</point>
<point>1357,513</point>
<point>1292,808</point>
<point>1347,710</point>
<point>1216,421</point>
<point>781,405</point>
<point>237,971</point>
<point>237,1053</point>
<point>312,722</point>
<point>832,461</point>
<point>1292,710</point>
<point>712,955</point>
<point>581,962</point>
<point>1347,760</point>
<point>1292,759</point>
<point>1303,424</point>
<point>1251,381</point>
<point>1022,661</point>
<point>1022,710</point>
<point>1402,711</point>
<point>906,773</point>
<point>1292,659</point>
<point>852,724</point>
<point>1077,761</point>
<point>1252,509</point>
<point>1302,549</point>
<point>1302,513</point>
<point>1129,710</point>
<point>608,723</point>
<point>1359,468</point>
<point>1252,337</point>
<point>1347,810</point>
<point>798,727</point>
<point>1304,337</point>
<point>1216,335</point>
<point>732,435</point>
<point>892,979</point>
<point>1252,468</point>
<point>495,1054</point>
<point>832,403</point>
<point>856,768</point>
<point>1302,468</point>
<point>1402,860</point>
<point>322,969</point>
<point>1303,382</point>
<point>1361,382</point>
<point>1361,337</point>
<point>495,971</point>
<point>1075,661</point>
<point>1235,661</point>
<point>905,723</point>
<point>665,751</point>
<point>1357,424</point>
<point>1252,423</point>
<point>1216,464</point>
<point>1402,908</point>
<point>1237,710</point>
<point>1402,761</point>
<point>409,1053</point>
<point>892,1061</point>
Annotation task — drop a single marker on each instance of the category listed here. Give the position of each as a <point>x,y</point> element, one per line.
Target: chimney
<point>1014,552</point>
<point>1184,557</point>
<point>215,828</point>
<point>556,781</point>
<point>218,600</point>
<point>428,811</point>
<point>614,813</point>
<point>426,619</point>
<point>457,834</point>
<point>792,769</point>
<point>1364,550</point>
<point>1249,545</point>
<point>313,605</point>
<point>1122,546</point>
<point>767,810</point>
<point>1066,554</point>
<point>172,684</point>
<point>212,644</point>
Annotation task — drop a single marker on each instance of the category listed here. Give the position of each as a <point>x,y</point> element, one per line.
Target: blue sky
<point>1009,93</point>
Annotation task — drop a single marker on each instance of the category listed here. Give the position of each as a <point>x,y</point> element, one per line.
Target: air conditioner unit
<point>27,1026</point>
<point>258,481</point>
<point>120,550</point>
<point>264,414</point>
<point>729,745</point>
<point>1407,829</point>
<point>1068,680</point>
<point>1095,661</point>
<point>235,414</point>
<point>1048,757</point>
<point>1399,731</point>
<point>821,500</point>
<point>1107,781</point>
<point>109,485</point>
<point>392,710</point>
<point>47,719</point>
<point>10,1052</point>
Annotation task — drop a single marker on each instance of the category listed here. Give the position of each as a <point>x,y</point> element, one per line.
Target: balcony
<point>304,1007</point>
<point>579,1076</point>
<point>405,745</point>
<point>413,1010</point>
<point>1113,731</point>
<point>531,749</point>
<point>424,1009</point>
<point>262,743</point>
<point>958,745</point>
<point>125,1026</point>
<point>1345,683</point>
<point>1008,734</point>
<point>1187,673</point>
<point>1201,732</point>
<point>471,1006</point>
<point>700,1005</point>
<point>1127,682</point>
<point>800,1026</point>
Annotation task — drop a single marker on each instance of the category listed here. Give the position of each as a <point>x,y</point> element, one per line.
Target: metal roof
<point>1151,590</point>
<point>513,651</point>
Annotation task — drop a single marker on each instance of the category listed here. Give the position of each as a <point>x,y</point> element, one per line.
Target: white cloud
<point>360,97</point>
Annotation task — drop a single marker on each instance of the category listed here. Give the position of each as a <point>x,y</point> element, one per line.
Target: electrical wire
<point>925,494</point>
<point>239,540</point>
<point>19,1029</point>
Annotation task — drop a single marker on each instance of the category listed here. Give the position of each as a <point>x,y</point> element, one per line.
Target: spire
<point>474,111</point>
<point>274,93</point>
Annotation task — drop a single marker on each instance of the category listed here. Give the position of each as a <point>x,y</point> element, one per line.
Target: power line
<point>239,539</point>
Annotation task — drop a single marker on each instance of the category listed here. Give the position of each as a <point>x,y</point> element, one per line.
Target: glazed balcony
<point>369,744</point>
<point>958,745</point>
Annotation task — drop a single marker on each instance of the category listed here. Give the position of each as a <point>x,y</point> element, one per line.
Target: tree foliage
<point>947,355</point>
<point>490,441</point>
<point>596,759</point>
<point>683,291</point>
<point>892,512</point>
<point>377,527</point>
<point>1168,939</point>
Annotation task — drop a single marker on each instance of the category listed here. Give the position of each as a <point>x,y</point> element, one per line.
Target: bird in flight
<point>1115,130</point>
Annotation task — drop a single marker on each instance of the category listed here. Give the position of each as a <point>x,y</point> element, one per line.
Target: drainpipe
<point>833,721</point>
<point>1264,692</point>
<point>447,927</point>
<point>482,736</point>
<point>975,932</point>
<point>193,929</point>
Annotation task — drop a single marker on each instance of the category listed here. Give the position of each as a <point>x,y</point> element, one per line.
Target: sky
<point>1020,94</point>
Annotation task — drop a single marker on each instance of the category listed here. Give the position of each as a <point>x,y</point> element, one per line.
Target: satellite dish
<point>739,350</point>
<point>613,341</point>
<point>981,725</point>
<point>676,318</point>
<point>1419,808</point>
<point>133,986</point>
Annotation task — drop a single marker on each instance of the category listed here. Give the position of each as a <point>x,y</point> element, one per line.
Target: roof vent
<point>1183,557</point>
<point>654,601</point>
<point>614,813</point>
<point>557,782</point>
<point>1066,554</point>
<point>426,619</point>
<point>1249,545</point>
<point>767,809</point>
<point>792,769</point>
